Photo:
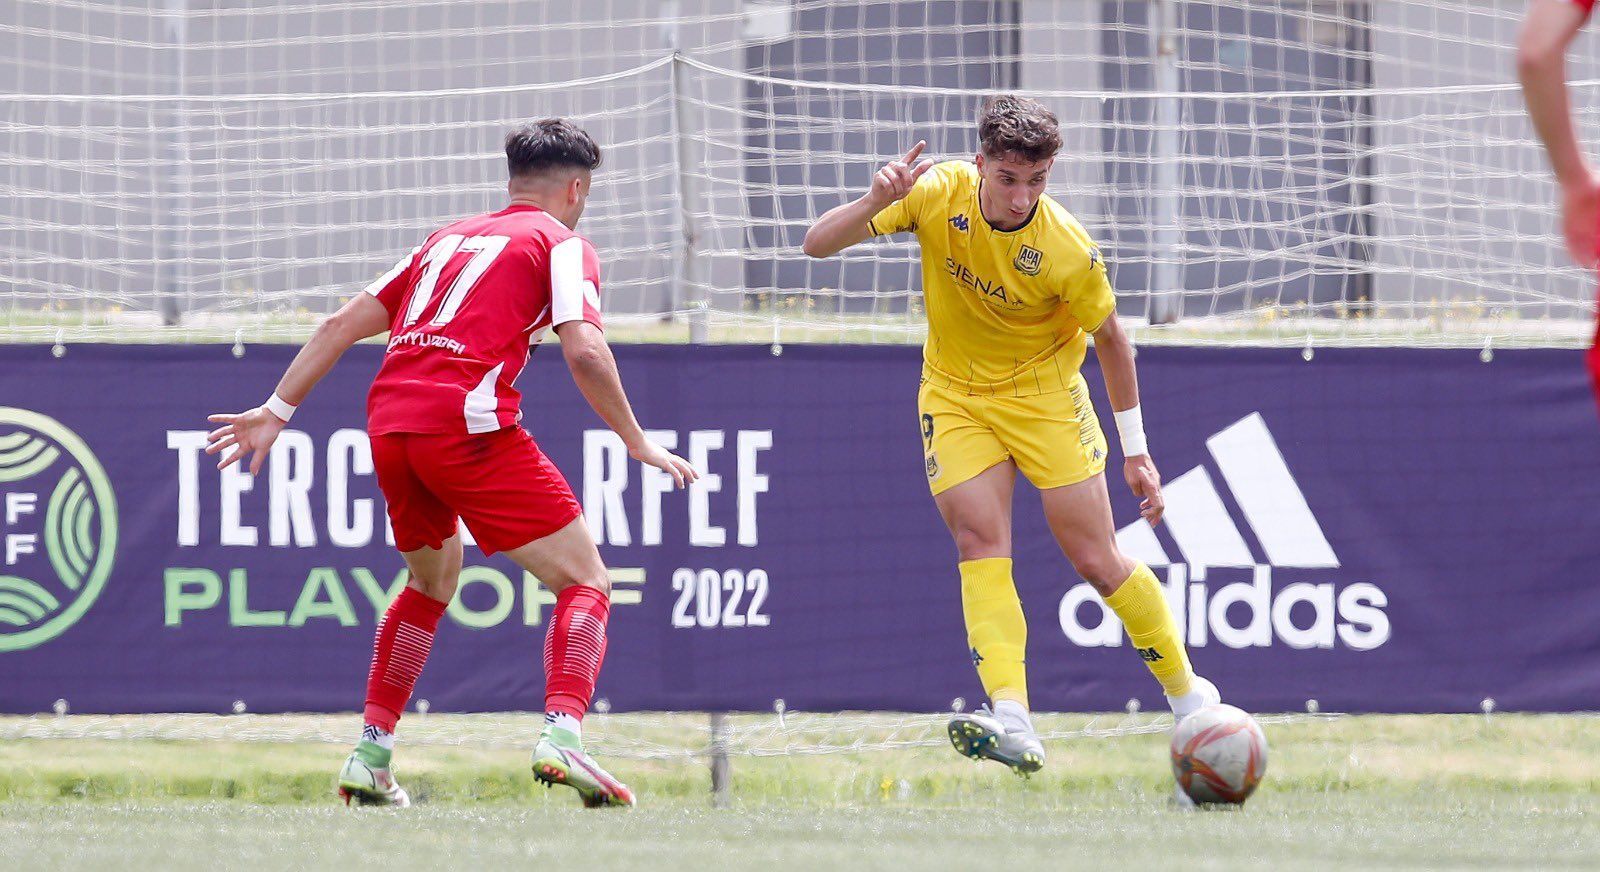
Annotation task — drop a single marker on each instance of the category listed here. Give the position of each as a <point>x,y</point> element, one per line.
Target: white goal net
<point>1270,171</point>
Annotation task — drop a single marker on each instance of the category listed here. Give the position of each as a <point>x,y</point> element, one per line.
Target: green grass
<point>1511,791</point>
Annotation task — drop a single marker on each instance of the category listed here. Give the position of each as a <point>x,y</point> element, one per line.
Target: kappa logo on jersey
<point>933,466</point>
<point>1028,261</point>
<point>1094,258</point>
<point>1218,589</point>
<point>960,223</point>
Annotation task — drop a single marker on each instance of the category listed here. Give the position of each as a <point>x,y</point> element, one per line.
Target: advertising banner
<point>1377,529</point>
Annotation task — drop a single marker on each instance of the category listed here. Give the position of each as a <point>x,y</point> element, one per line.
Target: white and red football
<point>1219,755</point>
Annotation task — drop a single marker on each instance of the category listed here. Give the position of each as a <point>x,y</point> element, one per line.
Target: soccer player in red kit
<point>463,311</point>
<point>1549,29</point>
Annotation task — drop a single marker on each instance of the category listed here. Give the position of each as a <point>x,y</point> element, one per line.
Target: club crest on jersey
<point>1028,261</point>
<point>933,466</point>
<point>960,223</point>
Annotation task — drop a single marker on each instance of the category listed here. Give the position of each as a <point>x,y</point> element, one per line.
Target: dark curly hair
<point>1012,125</point>
<point>549,143</point>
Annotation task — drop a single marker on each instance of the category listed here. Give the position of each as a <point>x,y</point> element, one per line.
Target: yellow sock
<point>1142,607</point>
<point>996,631</point>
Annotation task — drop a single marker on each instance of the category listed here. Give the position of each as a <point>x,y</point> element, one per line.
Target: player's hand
<point>1580,217</point>
<point>895,180</point>
<point>660,458</point>
<point>1145,482</point>
<point>242,434</point>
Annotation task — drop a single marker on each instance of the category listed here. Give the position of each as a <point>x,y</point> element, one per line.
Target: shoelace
<point>987,712</point>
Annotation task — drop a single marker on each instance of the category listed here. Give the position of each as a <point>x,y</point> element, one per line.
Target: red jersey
<point>1586,5</point>
<point>464,310</point>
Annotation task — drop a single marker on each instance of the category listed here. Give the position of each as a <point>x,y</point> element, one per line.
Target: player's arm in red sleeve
<point>1550,27</point>
<point>575,317</point>
<point>367,314</point>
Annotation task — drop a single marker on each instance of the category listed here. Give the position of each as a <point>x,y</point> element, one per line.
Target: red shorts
<point>500,483</point>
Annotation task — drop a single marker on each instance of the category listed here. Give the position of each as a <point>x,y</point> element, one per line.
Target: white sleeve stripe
<point>383,281</point>
<point>566,281</point>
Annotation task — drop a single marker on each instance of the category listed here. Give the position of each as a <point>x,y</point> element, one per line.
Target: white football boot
<point>985,735</point>
<point>1201,694</point>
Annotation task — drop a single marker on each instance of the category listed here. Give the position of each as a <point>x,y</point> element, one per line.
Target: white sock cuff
<point>563,721</point>
<point>1010,709</point>
<point>378,736</point>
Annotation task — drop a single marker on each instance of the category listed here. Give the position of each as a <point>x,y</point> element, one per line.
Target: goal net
<point>1275,171</point>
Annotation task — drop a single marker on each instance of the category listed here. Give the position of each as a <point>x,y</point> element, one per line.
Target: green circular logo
<point>58,529</point>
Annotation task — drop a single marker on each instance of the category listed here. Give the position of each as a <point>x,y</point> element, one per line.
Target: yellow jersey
<point>1007,309</point>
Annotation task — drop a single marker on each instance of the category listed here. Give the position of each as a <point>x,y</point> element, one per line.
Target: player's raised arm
<point>1548,30</point>
<point>1114,350</point>
<point>594,370</point>
<point>844,226</point>
<point>255,430</point>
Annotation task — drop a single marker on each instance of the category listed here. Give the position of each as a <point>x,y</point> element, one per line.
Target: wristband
<point>279,406</point>
<point>1130,428</point>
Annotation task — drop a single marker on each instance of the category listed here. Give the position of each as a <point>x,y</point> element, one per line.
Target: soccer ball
<point>1219,755</point>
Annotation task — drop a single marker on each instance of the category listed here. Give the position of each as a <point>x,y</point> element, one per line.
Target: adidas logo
<point>1247,611</point>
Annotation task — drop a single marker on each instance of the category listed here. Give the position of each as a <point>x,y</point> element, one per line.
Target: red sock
<point>573,649</point>
<point>405,636</point>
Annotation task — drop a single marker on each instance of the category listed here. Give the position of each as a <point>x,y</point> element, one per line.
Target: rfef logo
<point>58,528</point>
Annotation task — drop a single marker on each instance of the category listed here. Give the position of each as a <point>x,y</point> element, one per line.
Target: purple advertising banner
<point>1377,529</point>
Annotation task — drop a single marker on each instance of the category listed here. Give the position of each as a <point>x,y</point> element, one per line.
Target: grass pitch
<point>1428,791</point>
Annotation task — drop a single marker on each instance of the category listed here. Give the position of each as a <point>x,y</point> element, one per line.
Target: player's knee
<point>976,543</point>
<point>1105,571</point>
<point>598,579</point>
<point>436,587</point>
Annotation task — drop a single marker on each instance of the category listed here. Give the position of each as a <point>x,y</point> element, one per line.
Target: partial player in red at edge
<point>1547,32</point>
<point>463,311</point>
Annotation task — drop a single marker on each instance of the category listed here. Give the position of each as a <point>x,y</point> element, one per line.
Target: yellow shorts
<point>1055,438</point>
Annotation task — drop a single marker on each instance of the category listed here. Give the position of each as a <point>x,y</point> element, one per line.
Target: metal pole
<point>1166,286</point>
<point>721,772</point>
<point>688,290</point>
<point>166,275</point>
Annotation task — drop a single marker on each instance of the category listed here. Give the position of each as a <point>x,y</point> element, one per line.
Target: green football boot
<point>367,780</point>
<point>559,759</point>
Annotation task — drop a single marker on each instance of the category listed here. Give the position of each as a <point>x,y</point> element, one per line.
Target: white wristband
<point>279,406</point>
<point>1130,428</point>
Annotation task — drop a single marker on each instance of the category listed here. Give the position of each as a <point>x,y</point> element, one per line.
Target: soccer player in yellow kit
<point>1013,284</point>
